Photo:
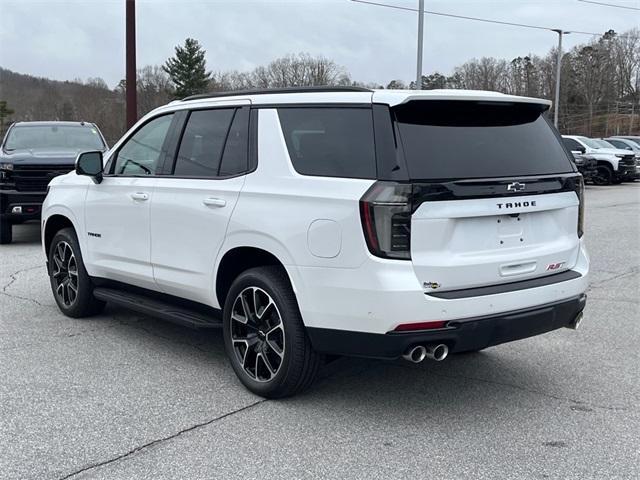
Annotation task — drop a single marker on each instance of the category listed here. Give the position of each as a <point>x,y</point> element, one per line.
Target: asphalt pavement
<point>124,396</point>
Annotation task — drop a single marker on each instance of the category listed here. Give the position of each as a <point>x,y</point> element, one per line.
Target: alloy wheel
<point>257,334</point>
<point>65,273</point>
<point>602,176</point>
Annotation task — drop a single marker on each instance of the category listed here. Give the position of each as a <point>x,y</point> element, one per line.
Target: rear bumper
<point>29,203</point>
<point>382,294</point>
<point>459,335</point>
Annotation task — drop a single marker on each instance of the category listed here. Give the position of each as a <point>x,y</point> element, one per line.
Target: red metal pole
<point>132,109</point>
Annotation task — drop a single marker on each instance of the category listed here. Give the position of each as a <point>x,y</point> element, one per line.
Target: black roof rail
<point>267,91</point>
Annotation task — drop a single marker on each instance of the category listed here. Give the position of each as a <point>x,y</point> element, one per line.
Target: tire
<point>603,175</point>
<point>64,259</point>
<point>6,232</point>
<point>269,349</point>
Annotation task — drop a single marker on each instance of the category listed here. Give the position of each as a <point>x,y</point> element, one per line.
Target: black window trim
<point>164,149</point>
<point>272,106</point>
<point>170,162</point>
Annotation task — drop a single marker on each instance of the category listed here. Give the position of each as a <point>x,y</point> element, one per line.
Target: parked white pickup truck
<point>614,165</point>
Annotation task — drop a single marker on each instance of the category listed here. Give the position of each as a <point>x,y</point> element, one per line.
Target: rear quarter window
<point>330,141</point>
<point>465,140</point>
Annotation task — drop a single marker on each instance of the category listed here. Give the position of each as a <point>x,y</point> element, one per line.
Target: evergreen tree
<point>187,69</point>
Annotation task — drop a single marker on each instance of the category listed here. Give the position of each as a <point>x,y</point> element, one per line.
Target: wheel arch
<point>608,161</point>
<point>240,258</point>
<point>54,224</point>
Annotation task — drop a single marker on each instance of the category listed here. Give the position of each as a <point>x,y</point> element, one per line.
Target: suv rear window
<point>330,141</point>
<point>461,139</point>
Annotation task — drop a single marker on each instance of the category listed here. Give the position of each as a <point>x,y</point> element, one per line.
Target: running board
<point>196,316</point>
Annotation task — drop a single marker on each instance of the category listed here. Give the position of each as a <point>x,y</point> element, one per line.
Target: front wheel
<point>264,336</point>
<point>71,285</point>
<point>603,175</point>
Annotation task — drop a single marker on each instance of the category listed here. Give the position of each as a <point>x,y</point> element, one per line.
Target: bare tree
<point>396,85</point>
<point>484,74</point>
<point>154,88</point>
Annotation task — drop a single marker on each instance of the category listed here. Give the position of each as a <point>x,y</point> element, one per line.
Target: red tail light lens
<point>405,327</point>
<point>385,212</point>
<point>580,193</point>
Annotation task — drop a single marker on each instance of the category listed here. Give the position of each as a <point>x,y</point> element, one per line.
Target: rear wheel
<point>6,231</point>
<point>71,285</point>
<point>264,336</point>
<point>603,175</point>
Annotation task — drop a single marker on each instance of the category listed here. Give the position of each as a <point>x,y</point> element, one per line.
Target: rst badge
<point>555,266</point>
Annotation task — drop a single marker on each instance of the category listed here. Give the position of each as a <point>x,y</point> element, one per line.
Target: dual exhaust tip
<point>418,353</point>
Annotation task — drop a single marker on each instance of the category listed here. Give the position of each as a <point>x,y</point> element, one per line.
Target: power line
<point>464,17</point>
<point>609,5</point>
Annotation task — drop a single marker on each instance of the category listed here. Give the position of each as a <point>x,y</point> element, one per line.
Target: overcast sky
<point>85,38</point>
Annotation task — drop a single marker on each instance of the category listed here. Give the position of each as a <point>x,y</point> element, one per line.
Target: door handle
<point>140,196</point>
<point>517,269</point>
<point>214,202</point>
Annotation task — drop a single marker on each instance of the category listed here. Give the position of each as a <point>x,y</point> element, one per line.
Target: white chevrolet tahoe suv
<point>314,222</point>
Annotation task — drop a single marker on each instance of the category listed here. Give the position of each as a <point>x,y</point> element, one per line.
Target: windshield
<point>605,144</point>
<point>57,137</point>
<point>625,145</point>
<point>590,142</point>
<point>461,139</point>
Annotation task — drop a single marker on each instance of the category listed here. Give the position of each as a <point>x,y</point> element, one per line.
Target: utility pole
<point>556,106</point>
<point>420,42</point>
<point>132,103</point>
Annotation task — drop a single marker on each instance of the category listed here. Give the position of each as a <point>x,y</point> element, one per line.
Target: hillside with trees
<point>600,91</point>
<point>600,82</point>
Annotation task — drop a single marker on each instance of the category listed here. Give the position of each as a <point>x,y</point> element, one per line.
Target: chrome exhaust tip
<point>415,354</point>
<point>576,322</point>
<point>437,352</point>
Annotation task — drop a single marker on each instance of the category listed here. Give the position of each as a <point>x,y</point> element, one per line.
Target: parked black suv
<point>32,153</point>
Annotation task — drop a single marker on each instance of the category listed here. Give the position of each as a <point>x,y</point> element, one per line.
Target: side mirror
<point>582,150</point>
<point>90,164</point>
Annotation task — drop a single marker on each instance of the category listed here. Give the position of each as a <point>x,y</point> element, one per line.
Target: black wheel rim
<point>602,176</point>
<point>257,334</point>
<point>65,273</point>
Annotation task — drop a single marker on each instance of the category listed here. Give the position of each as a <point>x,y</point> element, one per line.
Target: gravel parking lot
<point>125,396</point>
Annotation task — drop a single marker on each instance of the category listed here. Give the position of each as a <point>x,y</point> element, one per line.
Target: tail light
<point>407,327</point>
<point>580,193</point>
<point>385,211</point>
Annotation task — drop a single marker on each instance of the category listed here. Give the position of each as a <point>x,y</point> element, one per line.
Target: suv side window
<point>330,141</point>
<point>142,153</point>
<point>202,143</point>
<point>235,156</point>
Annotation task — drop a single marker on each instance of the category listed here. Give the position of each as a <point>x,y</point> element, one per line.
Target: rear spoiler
<point>398,97</point>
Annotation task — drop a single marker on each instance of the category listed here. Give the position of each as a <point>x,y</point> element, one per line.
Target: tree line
<point>600,85</point>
